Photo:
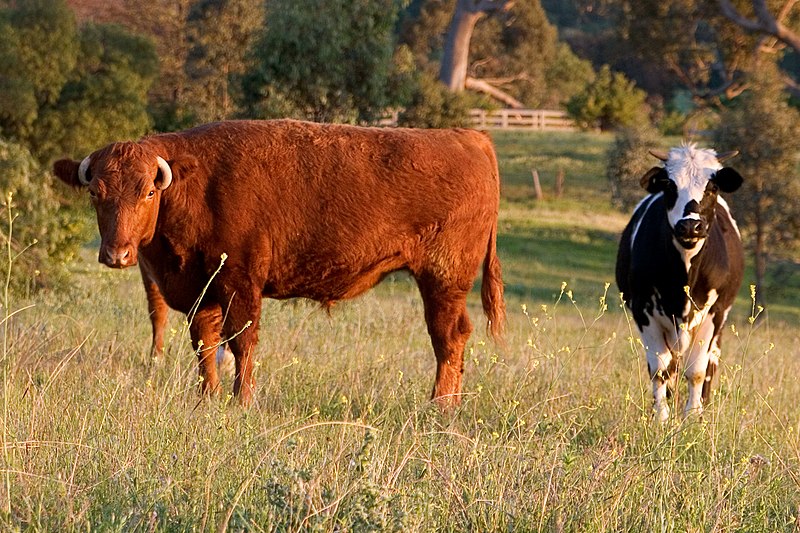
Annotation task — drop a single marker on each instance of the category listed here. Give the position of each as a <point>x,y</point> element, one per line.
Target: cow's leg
<point>205,330</point>
<point>449,328</point>
<point>697,364</point>
<point>241,330</point>
<point>661,366</point>
<point>158,309</point>
<point>713,363</point>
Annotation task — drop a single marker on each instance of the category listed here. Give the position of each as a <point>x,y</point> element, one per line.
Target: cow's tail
<point>494,305</point>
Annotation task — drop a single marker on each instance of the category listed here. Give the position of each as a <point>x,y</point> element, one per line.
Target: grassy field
<point>554,434</point>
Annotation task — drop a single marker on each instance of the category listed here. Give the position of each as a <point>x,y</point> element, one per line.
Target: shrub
<point>44,235</point>
<point>627,161</point>
<point>433,105</point>
<point>608,102</point>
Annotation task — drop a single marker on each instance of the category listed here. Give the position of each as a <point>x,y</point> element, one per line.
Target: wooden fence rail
<point>536,119</point>
<point>531,119</point>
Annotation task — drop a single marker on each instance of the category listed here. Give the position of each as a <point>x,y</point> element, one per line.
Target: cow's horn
<point>727,155</point>
<point>166,173</point>
<point>659,154</point>
<point>82,170</point>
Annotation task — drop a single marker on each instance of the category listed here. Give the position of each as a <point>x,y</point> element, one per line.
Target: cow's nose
<point>690,228</point>
<point>118,257</point>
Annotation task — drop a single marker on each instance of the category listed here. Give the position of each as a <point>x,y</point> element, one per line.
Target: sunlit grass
<point>555,431</point>
<point>341,433</point>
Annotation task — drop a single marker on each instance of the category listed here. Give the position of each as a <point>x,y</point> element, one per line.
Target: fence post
<point>559,188</point>
<point>537,187</point>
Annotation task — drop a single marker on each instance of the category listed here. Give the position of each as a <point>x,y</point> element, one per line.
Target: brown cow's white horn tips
<point>83,171</point>
<point>659,154</point>
<point>166,173</point>
<point>727,155</point>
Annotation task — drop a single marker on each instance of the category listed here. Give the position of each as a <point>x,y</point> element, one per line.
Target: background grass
<point>555,431</point>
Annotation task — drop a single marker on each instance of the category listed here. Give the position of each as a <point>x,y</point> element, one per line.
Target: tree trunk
<point>455,58</point>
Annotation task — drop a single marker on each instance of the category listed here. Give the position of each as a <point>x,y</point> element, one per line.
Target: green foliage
<point>38,52</point>
<point>69,91</point>
<point>325,61</point>
<point>627,161</point>
<point>566,76</point>
<point>608,102</point>
<point>433,105</point>
<point>764,128</point>
<point>523,46</point>
<point>518,50</point>
<point>44,235</point>
<point>220,33</point>
<point>106,97</point>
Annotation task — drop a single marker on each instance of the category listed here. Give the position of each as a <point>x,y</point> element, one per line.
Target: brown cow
<point>158,309</point>
<point>301,210</point>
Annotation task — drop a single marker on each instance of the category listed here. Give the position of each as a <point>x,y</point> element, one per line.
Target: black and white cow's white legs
<point>661,364</point>
<point>698,363</point>
<point>713,363</point>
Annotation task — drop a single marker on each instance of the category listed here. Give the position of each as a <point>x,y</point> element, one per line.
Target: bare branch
<point>765,22</point>
<point>491,6</point>
<point>485,87</point>
<point>740,20</point>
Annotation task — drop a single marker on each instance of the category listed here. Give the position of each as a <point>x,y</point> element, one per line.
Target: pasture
<point>554,434</point>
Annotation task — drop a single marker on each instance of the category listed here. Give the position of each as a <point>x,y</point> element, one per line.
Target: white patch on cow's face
<point>690,170</point>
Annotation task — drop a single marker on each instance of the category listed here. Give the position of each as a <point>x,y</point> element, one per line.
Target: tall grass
<point>555,431</point>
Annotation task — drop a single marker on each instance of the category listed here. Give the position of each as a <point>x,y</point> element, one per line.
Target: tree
<point>610,101</point>
<point>708,47</point>
<point>328,61</point>
<point>44,236</point>
<point>455,60</point>
<point>514,54</point>
<point>765,22</point>
<point>69,91</point>
<point>628,159</point>
<point>105,98</point>
<point>765,129</point>
<point>38,52</point>
<point>220,33</point>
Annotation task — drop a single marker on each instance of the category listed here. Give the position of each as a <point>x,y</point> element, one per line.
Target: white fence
<point>531,119</point>
<point>528,119</point>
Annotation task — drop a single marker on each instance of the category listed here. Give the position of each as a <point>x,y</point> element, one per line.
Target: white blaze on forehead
<point>690,168</point>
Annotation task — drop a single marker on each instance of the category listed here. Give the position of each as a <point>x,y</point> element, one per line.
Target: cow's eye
<point>151,194</point>
<point>93,195</point>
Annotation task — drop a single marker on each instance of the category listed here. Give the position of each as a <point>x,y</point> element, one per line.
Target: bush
<point>433,105</point>
<point>44,236</point>
<point>627,161</point>
<point>608,102</point>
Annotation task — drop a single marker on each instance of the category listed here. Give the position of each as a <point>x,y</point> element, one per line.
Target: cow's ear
<point>655,180</point>
<point>183,165</point>
<point>727,179</point>
<point>67,171</point>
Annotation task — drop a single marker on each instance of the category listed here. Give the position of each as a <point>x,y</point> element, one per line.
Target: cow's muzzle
<point>690,230</point>
<point>118,256</point>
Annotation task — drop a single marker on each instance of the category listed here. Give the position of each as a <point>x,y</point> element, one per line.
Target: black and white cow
<point>679,266</point>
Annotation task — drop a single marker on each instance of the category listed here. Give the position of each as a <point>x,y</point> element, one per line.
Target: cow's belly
<point>329,281</point>
<point>181,289</point>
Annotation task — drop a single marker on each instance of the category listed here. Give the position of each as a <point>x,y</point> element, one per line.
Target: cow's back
<point>323,211</point>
